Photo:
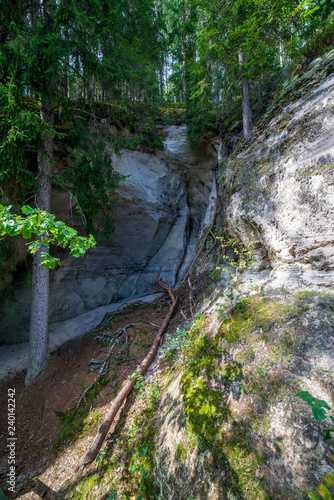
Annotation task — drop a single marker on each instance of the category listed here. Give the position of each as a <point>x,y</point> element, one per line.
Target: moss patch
<point>256,313</point>
<point>181,454</point>
<point>211,421</point>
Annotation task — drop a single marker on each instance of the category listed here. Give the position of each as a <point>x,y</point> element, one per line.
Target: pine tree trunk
<point>39,322</point>
<point>161,80</point>
<point>281,54</point>
<point>246,108</point>
<point>184,55</point>
<point>166,79</point>
<point>184,71</point>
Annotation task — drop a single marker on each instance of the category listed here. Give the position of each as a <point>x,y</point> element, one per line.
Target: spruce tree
<point>48,43</point>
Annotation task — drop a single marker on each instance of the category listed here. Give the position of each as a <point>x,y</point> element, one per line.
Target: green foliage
<point>241,259</point>
<point>269,35</point>
<point>141,448</point>
<point>71,55</point>
<point>214,275</point>
<point>243,253</point>
<point>210,421</point>
<point>21,133</point>
<point>319,409</point>
<point>181,454</point>
<point>101,455</point>
<point>140,383</point>
<point>202,117</point>
<point>326,488</point>
<point>204,407</point>
<point>92,177</point>
<point>172,344</point>
<point>319,44</point>
<point>43,225</point>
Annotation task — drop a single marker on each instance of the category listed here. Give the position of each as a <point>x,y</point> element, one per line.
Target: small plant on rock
<point>320,409</point>
<point>242,258</point>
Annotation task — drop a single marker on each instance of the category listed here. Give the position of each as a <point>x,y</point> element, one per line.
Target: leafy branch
<point>47,230</point>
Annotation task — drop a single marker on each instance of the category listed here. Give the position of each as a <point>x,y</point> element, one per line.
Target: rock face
<point>230,424</point>
<point>161,208</point>
<point>281,187</point>
<point>239,431</point>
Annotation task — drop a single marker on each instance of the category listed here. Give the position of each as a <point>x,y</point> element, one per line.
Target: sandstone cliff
<point>230,423</point>
<point>161,208</point>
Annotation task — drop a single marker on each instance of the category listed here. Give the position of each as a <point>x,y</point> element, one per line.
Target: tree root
<point>128,386</point>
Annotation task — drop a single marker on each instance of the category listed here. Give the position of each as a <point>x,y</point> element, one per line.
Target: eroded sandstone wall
<point>281,187</point>
<point>160,209</point>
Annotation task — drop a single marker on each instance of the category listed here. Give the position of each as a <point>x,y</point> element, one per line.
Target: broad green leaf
<point>319,413</point>
<point>305,396</point>
<point>318,406</point>
<point>328,434</point>
<point>28,210</point>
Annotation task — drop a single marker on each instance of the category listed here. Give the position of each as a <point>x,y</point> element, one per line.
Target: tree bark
<point>161,80</point>
<point>166,79</point>
<point>246,108</point>
<point>281,54</point>
<point>184,62</point>
<point>39,322</point>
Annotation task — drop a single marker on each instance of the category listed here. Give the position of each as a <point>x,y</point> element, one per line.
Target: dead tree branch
<point>128,386</point>
<point>100,373</point>
<point>210,250</point>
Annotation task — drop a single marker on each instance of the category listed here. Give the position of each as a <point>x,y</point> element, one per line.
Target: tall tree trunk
<point>246,108</point>
<point>161,78</point>
<point>39,322</point>
<point>281,54</point>
<point>184,62</point>
<point>215,89</point>
<point>166,79</point>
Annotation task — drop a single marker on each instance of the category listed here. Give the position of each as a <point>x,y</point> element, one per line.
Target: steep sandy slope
<point>219,418</point>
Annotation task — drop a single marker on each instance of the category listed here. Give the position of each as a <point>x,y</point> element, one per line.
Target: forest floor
<point>49,446</point>
<point>42,405</point>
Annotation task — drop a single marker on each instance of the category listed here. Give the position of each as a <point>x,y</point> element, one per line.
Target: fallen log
<point>127,388</point>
